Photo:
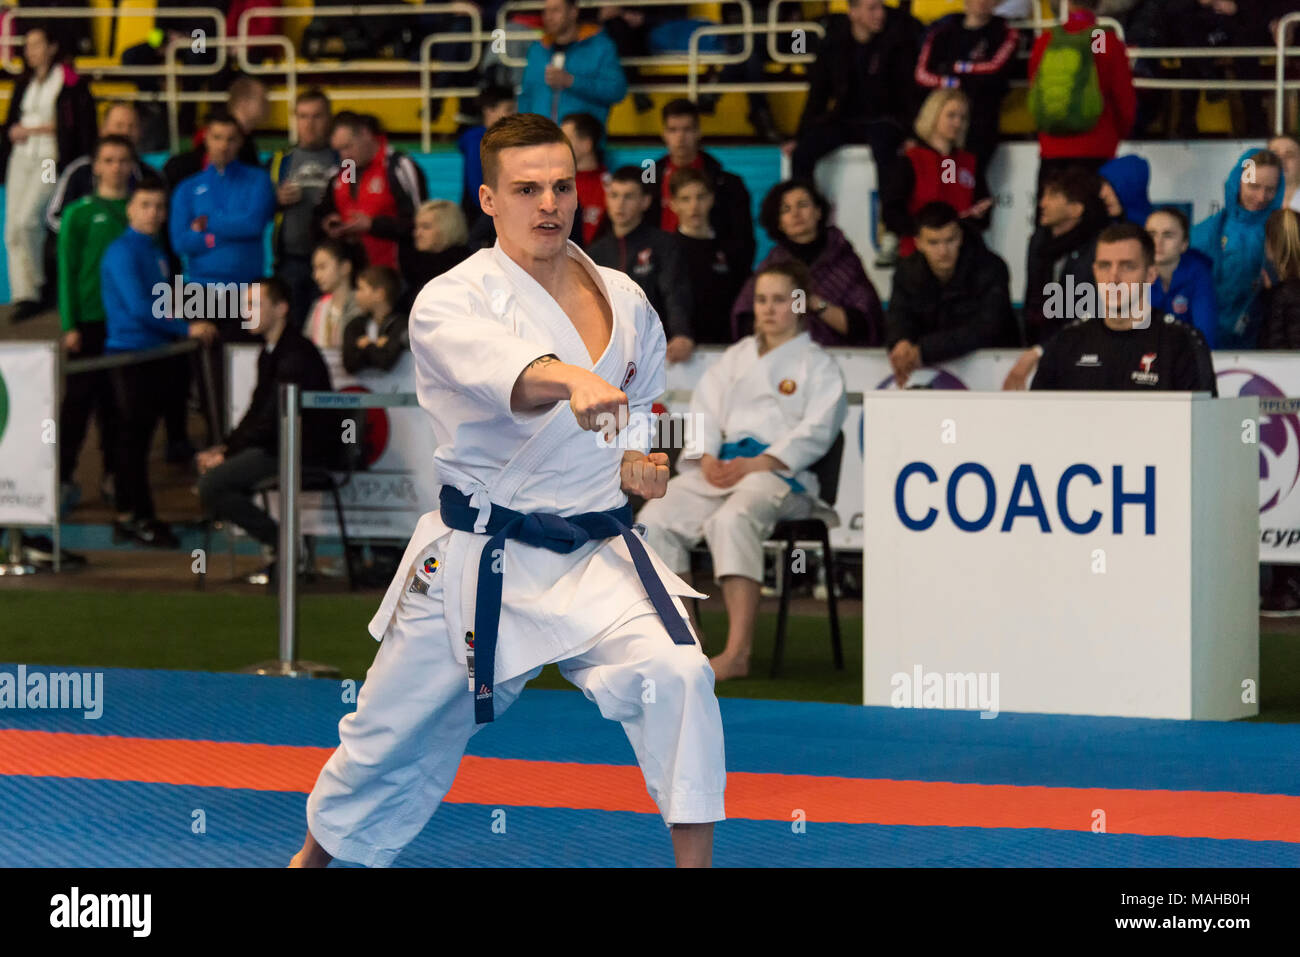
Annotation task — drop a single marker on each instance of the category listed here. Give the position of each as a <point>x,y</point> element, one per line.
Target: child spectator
<point>331,267</point>
<point>717,268</point>
<point>937,169</point>
<point>585,135</point>
<point>378,337</point>
<point>1185,286</point>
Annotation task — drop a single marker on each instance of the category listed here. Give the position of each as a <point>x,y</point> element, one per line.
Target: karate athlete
<point>760,417</point>
<point>522,352</point>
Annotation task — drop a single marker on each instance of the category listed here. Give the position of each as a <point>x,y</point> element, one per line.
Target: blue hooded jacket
<point>1233,239</point>
<point>598,79</point>
<point>1130,176</point>
<point>1191,295</point>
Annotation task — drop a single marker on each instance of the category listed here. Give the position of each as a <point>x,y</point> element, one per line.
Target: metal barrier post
<point>287,666</point>
<point>16,565</point>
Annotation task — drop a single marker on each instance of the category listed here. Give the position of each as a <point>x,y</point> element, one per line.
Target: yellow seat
<point>132,30</point>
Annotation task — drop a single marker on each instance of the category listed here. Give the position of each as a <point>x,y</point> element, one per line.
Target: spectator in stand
<point>1124,184</point>
<point>219,218</point>
<point>248,105</point>
<point>951,297</point>
<point>1225,23</point>
<point>1129,345</point>
<point>975,52</point>
<point>1075,126</point>
<point>440,243</point>
<point>51,121</point>
<point>333,267</point>
<point>133,265</point>
<point>1281,295</point>
<point>936,169</point>
<point>573,68</point>
<point>374,204</point>
<point>377,338</point>
<point>1287,150</point>
<point>585,135</point>
<point>651,257</point>
<point>1184,286</point>
<point>77,180</point>
<point>228,471</point>
<point>493,103</point>
<point>151,53</point>
<point>1233,239</point>
<point>90,225</point>
<point>860,90</point>
<point>731,217</point>
<point>630,29</point>
<point>301,176</point>
<point>1070,215</point>
<point>717,269</point>
<point>843,308</point>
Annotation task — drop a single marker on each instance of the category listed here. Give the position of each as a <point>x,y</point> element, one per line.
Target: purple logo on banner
<point>1279,436</point>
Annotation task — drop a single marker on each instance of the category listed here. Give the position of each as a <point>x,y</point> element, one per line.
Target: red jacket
<point>373,195</point>
<point>931,184</point>
<point>1119,101</point>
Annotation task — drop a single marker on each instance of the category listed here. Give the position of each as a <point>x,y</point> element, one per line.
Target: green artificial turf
<point>205,632</point>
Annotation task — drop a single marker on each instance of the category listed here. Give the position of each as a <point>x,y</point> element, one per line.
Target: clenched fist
<point>597,405</point>
<point>645,475</point>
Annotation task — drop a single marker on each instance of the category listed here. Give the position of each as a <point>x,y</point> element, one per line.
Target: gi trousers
<point>735,523</point>
<point>399,751</point>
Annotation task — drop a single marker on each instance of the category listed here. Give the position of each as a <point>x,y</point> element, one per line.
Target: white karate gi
<point>473,331</point>
<point>790,399</point>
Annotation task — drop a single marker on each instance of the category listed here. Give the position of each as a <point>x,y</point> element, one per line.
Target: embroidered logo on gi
<point>1179,304</point>
<point>787,387</point>
<point>484,692</point>
<point>469,640</point>
<point>430,565</point>
<point>629,375</point>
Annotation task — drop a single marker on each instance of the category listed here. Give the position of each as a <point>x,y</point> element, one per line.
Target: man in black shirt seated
<point>950,297</point>
<point>228,472</point>
<point>1132,345</point>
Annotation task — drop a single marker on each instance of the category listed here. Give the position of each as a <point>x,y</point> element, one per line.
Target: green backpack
<point>1065,96</point>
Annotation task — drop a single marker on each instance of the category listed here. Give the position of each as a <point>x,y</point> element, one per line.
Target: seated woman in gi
<point>761,416</point>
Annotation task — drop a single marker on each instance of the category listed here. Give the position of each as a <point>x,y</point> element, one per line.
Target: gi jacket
<point>474,330</point>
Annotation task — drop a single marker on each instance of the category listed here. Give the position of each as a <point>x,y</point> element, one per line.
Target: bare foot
<point>311,855</point>
<point>729,666</point>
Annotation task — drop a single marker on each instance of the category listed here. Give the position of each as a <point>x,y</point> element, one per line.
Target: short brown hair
<point>792,269</point>
<point>518,129</point>
<point>1123,232</point>
<point>685,176</point>
<point>383,278</point>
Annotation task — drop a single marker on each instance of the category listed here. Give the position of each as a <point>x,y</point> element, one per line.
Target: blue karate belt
<point>555,533</point>
<point>747,448</point>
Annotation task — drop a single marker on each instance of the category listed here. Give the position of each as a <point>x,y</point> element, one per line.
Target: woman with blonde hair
<point>1281,293</point>
<point>441,242</point>
<point>937,168</point>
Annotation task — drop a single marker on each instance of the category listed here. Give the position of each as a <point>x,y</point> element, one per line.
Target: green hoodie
<point>88,227</point>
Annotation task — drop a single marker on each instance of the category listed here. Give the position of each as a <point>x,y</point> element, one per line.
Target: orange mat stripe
<point>1223,815</point>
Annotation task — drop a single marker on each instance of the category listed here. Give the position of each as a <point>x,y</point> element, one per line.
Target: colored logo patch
<point>629,375</point>
<point>787,386</point>
<point>430,565</point>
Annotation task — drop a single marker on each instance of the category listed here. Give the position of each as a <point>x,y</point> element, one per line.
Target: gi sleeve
<point>459,346</point>
<point>708,408</point>
<point>823,418</point>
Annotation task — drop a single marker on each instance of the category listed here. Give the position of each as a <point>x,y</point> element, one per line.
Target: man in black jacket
<point>950,297</point>
<point>653,258</point>
<point>247,102</point>
<point>251,452</point>
<point>732,218</point>
<point>860,88</point>
<point>1131,345</point>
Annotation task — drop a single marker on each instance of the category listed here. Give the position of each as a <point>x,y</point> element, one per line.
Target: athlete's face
<point>1167,233</point>
<point>533,200</point>
<point>774,315</point>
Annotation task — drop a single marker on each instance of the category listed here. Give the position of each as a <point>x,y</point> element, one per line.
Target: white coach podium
<point>1066,552</point>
